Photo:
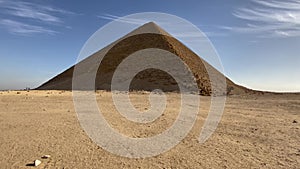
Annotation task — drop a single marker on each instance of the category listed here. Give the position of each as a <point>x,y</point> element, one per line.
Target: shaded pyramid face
<point>148,36</point>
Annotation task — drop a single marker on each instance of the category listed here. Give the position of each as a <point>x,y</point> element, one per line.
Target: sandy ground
<point>255,132</point>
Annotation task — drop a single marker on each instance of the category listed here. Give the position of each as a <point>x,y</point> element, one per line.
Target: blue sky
<point>258,41</point>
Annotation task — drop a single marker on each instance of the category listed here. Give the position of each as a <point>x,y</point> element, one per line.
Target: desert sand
<point>256,131</point>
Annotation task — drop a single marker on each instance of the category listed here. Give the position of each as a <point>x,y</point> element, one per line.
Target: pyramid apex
<point>151,23</point>
<point>150,27</point>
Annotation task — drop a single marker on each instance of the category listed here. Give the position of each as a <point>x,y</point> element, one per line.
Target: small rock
<point>295,121</point>
<point>46,156</point>
<point>18,92</point>
<point>37,162</point>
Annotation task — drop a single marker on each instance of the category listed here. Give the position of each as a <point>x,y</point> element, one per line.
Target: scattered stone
<point>37,162</point>
<point>46,156</point>
<point>295,121</point>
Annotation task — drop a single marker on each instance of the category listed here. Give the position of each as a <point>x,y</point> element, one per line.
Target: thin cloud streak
<point>290,4</point>
<point>28,18</point>
<point>33,11</point>
<point>270,18</point>
<point>16,27</point>
<point>124,20</point>
<point>167,24</point>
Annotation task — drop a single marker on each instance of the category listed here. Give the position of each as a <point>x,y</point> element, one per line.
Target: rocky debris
<point>37,162</point>
<point>295,121</point>
<point>46,156</point>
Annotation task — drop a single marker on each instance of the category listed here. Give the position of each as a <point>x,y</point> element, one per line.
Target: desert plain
<point>256,131</point>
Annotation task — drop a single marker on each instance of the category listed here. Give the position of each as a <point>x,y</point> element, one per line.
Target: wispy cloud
<point>16,27</point>
<point>122,19</point>
<point>138,21</point>
<point>270,18</point>
<point>30,18</point>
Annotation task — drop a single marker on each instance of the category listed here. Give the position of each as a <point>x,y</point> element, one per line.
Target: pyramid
<point>147,36</point>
